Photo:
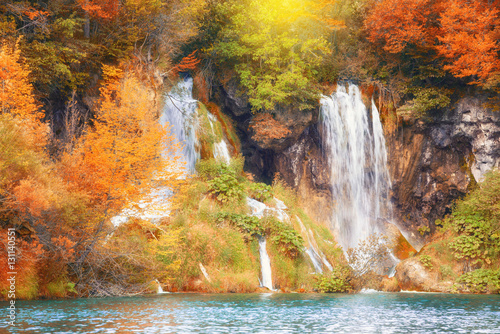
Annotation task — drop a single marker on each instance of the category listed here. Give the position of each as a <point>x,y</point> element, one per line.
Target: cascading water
<point>318,259</point>
<point>355,149</point>
<point>259,209</point>
<point>180,112</point>
<point>221,151</point>
<point>265,262</point>
<point>159,290</point>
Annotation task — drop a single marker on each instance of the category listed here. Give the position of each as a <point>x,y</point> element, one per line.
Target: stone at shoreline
<point>389,285</point>
<point>412,275</point>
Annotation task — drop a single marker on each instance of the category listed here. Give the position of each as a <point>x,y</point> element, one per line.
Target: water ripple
<point>261,313</point>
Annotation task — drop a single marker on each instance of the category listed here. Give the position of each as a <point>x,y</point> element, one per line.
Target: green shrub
<point>60,288</point>
<point>290,241</point>
<point>476,223</point>
<point>481,280</point>
<point>210,168</point>
<point>224,180</point>
<point>260,191</point>
<point>248,225</point>
<point>426,261</point>
<point>425,99</point>
<point>446,272</point>
<point>423,229</point>
<point>226,188</point>
<point>336,281</point>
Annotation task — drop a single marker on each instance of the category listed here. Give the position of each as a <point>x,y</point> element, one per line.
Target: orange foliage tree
<point>100,9</point>
<point>60,209</point>
<point>187,63</point>
<point>266,128</point>
<point>469,39</point>
<point>463,34</point>
<point>33,200</point>
<point>115,160</point>
<point>16,94</point>
<point>397,24</point>
<point>122,155</point>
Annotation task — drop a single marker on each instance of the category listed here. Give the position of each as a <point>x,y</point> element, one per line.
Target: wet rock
<point>389,285</point>
<point>296,121</point>
<point>305,168</point>
<point>413,276</point>
<point>234,100</point>
<point>400,246</point>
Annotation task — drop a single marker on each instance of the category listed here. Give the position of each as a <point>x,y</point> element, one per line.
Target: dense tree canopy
<point>464,35</point>
<point>275,47</point>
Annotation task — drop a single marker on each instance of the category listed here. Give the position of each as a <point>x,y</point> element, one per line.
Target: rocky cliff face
<point>431,163</point>
<point>434,163</point>
<point>297,158</point>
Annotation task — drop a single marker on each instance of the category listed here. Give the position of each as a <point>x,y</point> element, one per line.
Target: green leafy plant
<point>290,242</point>
<point>481,280</point>
<point>249,225</point>
<point>446,272</point>
<point>224,180</point>
<point>260,191</point>
<point>423,229</point>
<point>425,99</point>
<point>426,261</point>
<point>476,223</point>
<point>337,280</point>
<point>226,188</point>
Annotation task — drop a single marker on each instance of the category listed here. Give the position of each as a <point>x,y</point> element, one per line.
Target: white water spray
<point>355,147</point>
<point>180,112</point>
<point>221,151</point>
<point>160,290</point>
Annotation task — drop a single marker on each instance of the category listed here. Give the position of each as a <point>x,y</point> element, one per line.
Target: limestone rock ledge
<point>433,163</point>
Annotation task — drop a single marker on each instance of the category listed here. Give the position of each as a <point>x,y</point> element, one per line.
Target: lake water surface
<point>261,313</point>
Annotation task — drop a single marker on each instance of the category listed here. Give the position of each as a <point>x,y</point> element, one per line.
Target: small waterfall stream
<point>317,258</point>
<point>355,148</point>
<point>221,151</point>
<point>265,263</point>
<point>259,209</point>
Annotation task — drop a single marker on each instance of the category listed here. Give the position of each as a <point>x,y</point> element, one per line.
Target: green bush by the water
<point>336,281</point>
<point>467,248</point>
<point>476,222</point>
<point>481,280</point>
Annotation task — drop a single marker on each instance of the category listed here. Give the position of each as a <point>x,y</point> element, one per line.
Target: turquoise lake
<point>261,313</point>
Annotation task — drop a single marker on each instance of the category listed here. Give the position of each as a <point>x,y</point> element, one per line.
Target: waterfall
<point>159,290</point>
<point>259,209</point>
<point>318,259</point>
<point>265,264</point>
<point>180,112</point>
<point>354,145</point>
<point>221,151</point>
